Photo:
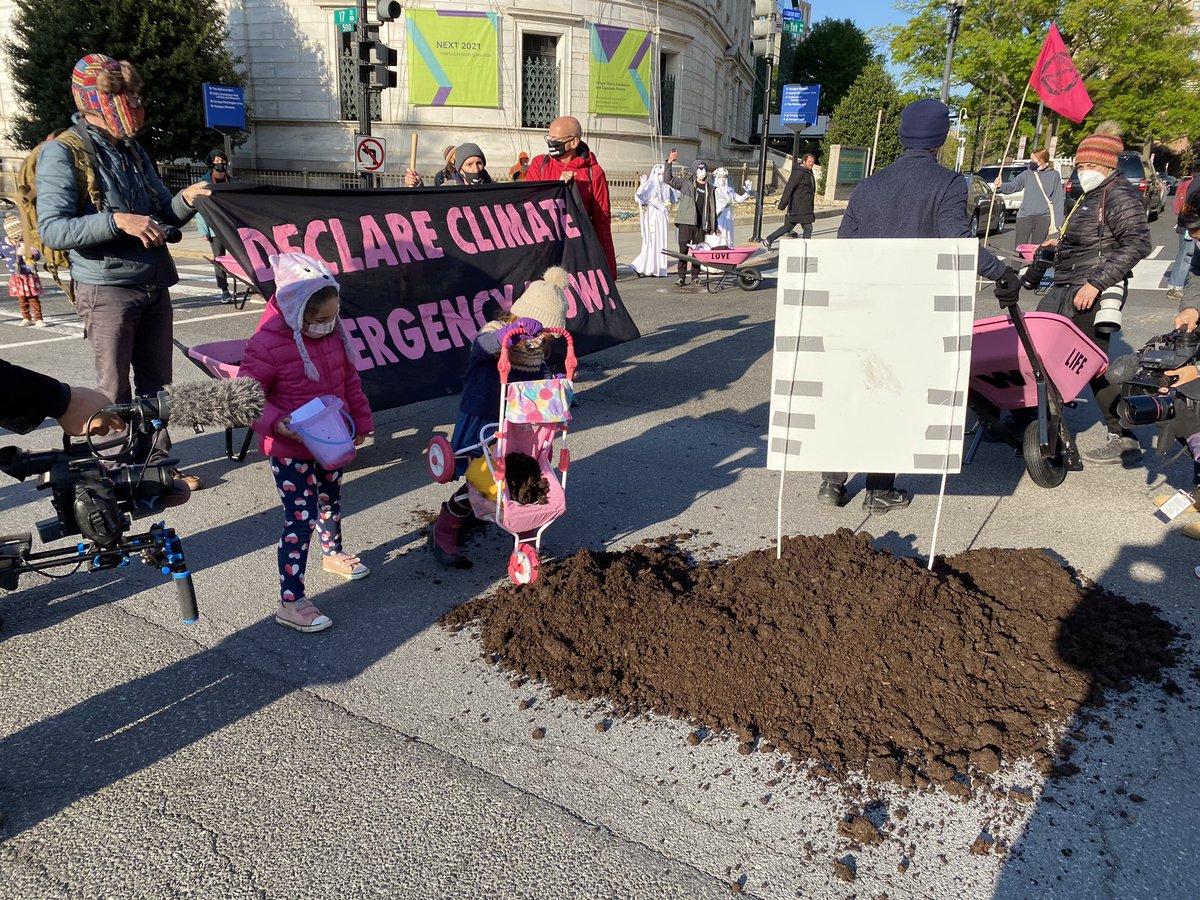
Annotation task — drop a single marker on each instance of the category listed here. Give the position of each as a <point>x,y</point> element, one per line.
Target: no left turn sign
<point>369,153</point>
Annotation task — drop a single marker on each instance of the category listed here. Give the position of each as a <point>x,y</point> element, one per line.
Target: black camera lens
<point>1146,409</point>
<point>1187,343</point>
<point>172,235</point>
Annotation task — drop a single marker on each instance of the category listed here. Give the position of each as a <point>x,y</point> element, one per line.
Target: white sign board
<point>369,153</point>
<point>872,355</point>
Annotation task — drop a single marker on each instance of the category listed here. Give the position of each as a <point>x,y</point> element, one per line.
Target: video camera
<point>98,498</point>
<point>1141,403</point>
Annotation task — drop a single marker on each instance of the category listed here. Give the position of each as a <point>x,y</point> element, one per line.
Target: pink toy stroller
<point>532,415</point>
<point>1023,360</point>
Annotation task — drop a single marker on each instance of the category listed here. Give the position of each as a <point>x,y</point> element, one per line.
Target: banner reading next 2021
<point>453,58</point>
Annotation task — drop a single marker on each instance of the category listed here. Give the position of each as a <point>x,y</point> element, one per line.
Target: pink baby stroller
<point>532,415</point>
<point>1026,360</point>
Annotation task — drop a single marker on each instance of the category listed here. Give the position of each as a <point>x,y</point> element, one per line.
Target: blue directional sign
<point>224,107</point>
<point>799,103</point>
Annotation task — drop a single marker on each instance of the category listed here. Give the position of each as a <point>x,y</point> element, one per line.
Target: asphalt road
<point>140,757</point>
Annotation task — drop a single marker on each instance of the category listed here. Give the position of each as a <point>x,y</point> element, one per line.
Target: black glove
<point>1008,289</point>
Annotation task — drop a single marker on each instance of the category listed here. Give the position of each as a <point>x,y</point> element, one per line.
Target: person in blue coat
<point>119,260</point>
<point>914,197</point>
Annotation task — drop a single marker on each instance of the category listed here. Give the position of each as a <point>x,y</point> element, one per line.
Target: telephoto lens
<point>1108,311</point>
<point>1146,409</point>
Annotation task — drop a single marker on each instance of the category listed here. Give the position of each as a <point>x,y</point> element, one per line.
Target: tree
<point>833,55</point>
<point>176,45</point>
<point>1135,58</point>
<point>853,120</point>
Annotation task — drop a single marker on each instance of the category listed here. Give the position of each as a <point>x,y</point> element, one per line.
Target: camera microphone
<point>1122,369</point>
<point>221,403</point>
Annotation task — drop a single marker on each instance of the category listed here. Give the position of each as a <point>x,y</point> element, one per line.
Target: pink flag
<point>1057,81</point>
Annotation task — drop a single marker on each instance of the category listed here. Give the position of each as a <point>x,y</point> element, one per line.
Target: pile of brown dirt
<point>526,484</point>
<point>837,653</point>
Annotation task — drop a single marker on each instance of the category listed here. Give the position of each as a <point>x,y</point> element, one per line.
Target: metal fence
<point>622,184</point>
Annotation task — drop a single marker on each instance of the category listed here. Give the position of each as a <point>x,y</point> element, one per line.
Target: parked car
<point>1012,202</point>
<point>1139,174</point>
<point>1146,180</point>
<point>979,207</point>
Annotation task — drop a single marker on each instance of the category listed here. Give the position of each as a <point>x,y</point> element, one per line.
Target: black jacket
<point>1105,236</point>
<point>799,195</point>
<point>29,397</point>
<point>914,197</point>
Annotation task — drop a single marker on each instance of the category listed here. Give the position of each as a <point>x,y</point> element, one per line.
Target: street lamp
<point>956,11</point>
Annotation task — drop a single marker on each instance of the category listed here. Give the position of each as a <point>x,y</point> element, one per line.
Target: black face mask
<point>472,179</point>
<point>556,148</point>
<point>219,167</point>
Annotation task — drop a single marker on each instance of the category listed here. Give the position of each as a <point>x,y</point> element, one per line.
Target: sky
<point>866,14</point>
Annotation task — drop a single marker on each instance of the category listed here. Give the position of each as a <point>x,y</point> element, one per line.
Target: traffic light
<point>388,10</point>
<point>763,28</point>
<point>375,58</point>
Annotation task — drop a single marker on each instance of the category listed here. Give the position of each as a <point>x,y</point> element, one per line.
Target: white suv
<point>1012,202</point>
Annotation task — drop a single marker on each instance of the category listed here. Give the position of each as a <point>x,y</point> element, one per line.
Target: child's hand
<point>282,429</point>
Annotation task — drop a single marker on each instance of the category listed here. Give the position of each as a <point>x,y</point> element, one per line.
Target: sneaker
<point>41,323</point>
<point>1175,294</point>
<point>681,281</point>
<point>192,481</point>
<point>882,501</point>
<point>302,616</point>
<point>765,244</point>
<point>227,297</point>
<point>832,493</point>
<point>346,565</point>
<point>1117,448</point>
<point>1192,530</point>
<point>25,323</point>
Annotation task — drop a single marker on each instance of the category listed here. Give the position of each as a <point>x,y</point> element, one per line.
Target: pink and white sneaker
<point>302,616</point>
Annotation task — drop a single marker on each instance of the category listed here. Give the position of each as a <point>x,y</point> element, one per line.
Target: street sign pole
<point>762,153</point>
<point>364,92</point>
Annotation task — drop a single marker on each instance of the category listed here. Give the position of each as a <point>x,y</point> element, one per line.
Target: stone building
<point>302,84</point>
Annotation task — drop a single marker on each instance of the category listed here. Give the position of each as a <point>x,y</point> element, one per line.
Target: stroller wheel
<point>523,565</point>
<point>440,458</point>
<point>1047,473</point>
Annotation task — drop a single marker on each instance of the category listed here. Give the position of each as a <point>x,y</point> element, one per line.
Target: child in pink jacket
<point>301,352</point>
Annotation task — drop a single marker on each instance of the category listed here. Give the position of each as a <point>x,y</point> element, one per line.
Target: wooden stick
<point>1008,146</point>
<point>412,155</point>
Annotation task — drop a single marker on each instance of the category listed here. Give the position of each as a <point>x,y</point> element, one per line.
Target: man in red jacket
<point>570,159</point>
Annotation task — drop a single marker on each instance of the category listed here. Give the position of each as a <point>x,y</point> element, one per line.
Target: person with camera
<point>29,397</point>
<point>1103,237</point>
<point>119,261</point>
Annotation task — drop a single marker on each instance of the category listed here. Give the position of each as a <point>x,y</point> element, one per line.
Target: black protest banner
<point>418,267</point>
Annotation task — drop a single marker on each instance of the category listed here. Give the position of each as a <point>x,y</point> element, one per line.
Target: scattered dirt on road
<point>837,653</point>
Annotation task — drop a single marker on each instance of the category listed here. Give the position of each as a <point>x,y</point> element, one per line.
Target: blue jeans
<point>1183,260</point>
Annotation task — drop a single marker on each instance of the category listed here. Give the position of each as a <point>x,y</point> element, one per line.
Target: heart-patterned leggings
<point>312,496</point>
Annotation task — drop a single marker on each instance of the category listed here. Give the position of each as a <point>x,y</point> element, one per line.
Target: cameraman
<point>29,397</point>
<point>1104,236</point>
<point>116,231</point>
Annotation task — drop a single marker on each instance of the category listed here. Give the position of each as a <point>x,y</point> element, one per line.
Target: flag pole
<point>1003,159</point>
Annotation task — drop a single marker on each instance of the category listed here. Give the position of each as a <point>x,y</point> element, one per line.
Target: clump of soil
<point>837,653</point>
<point>526,484</point>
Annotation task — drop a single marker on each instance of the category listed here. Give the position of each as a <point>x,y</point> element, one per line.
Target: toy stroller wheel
<point>1047,473</point>
<point>440,459</point>
<point>523,565</point>
<point>749,279</point>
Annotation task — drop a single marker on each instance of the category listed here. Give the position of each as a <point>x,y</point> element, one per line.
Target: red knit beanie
<point>1099,149</point>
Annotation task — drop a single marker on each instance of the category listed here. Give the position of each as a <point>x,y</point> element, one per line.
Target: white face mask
<point>701,174</point>
<point>1089,179</point>
<point>319,329</point>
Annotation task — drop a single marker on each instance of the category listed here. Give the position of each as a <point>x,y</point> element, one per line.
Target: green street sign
<point>346,18</point>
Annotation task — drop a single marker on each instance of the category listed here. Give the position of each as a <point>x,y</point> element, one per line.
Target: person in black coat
<point>914,197</point>
<point>696,213</point>
<point>29,397</point>
<point>798,198</point>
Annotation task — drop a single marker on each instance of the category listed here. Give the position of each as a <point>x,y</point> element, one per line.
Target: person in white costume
<point>654,197</point>
<point>726,198</point>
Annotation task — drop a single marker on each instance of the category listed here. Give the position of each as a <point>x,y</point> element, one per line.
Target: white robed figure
<point>654,198</point>
<point>726,198</point>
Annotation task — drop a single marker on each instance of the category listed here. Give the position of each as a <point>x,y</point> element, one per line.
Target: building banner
<point>620,72</point>
<point>453,58</point>
<point>422,269</point>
